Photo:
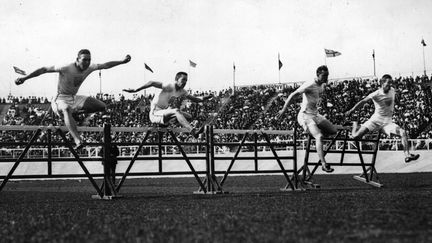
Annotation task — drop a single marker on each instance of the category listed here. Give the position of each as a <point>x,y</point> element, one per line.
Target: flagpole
<point>189,73</point>
<point>373,56</point>
<point>144,79</point>
<point>424,61</point>
<point>325,58</point>
<point>279,67</point>
<point>100,84</point>
<point>234,69</point>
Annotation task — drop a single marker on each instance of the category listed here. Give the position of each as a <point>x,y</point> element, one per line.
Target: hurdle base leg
<point>210,192</point>
<point>106,197</point>
<point>370,182</point>
<point>288,189</point>
<point>311,185</point>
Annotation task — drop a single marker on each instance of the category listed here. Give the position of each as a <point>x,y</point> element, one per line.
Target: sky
<point>166,34</point>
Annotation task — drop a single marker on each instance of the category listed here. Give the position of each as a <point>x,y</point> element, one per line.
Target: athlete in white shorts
<point>308,117</point>
<point>71,76</point>
<point>160,113</point>
<point>383,100</point>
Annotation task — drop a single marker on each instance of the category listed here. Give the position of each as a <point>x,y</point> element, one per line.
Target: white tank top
<point>384,103</point>
<point>70,78</point>
<point>311,97</point>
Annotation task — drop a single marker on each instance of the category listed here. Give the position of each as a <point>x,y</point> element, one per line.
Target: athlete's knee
<point>65,110</point>
<point>401,132</point>
<point>332,130</point>
<point>318,136</point>
<point>177,112</point>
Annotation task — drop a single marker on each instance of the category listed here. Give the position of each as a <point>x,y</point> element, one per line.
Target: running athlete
<point>71,77</point>
<point>308,117</point>
<point>161,113</point>
<point>384,100</point>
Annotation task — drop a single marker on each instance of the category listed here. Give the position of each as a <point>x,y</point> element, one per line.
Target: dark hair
<point>384,77</point>
<point>84,51</point>
<point>320,69</point>
<point>179,74</point>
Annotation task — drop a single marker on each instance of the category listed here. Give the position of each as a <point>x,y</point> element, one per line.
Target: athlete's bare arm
<point>294,94</point>
<point>35,73</point>
<point>111,64</point>
<point>149,84</point>
<point>199,99</point>
<point>359,104</point>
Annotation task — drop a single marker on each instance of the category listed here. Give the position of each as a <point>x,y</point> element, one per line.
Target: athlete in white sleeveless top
<point>382,119</point>
<point>308,117</point>
<point>160,112</point>
<point>71,76</point>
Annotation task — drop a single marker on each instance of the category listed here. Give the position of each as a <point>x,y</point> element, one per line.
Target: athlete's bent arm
<point>199,99</point>
<point>288,101</point>
<point>359,104</point>
<point>149,84</point>
<point>111,64</point>
<point>35,73</point>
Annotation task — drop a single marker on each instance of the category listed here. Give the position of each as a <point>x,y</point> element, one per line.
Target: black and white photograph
<point>216,121</point>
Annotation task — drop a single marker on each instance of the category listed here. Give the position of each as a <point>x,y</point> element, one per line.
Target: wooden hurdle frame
<point>369,173</point>
<point>49,129</point>
<point>293,182</point>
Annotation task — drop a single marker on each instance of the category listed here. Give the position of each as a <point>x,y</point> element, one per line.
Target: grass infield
<point>165,210</point>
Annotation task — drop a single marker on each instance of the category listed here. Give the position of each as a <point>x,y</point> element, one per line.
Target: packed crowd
<point>253,107</point>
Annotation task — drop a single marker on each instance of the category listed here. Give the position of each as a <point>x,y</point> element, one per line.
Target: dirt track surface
<point>165,210</point>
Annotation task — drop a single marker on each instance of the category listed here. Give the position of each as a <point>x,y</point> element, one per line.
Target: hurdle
<point>369,173</point>
<point>37,132</point>
<point>160,132</point>
<point>215,186</point>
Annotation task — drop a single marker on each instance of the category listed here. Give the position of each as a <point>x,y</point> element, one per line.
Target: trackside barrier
<point>369,174</point>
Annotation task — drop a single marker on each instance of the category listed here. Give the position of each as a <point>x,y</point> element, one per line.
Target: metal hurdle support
<point>210,181</point>
<point>108,188</point>
<point>160,132</point>
<point>293,182</point>
<point>369,174</point>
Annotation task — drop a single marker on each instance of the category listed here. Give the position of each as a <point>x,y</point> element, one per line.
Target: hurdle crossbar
<point>369,175</point>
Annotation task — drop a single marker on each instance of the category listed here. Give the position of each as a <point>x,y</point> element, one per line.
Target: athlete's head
<point>83,59</point>
<point>181,79</point>
<point>386,82</point>
<point>322,73</point>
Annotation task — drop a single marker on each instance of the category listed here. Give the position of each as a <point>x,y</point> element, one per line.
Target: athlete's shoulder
<point>168,87</point>
<point>307,84</point>
<point>375,93</point>
<point>64,67</point>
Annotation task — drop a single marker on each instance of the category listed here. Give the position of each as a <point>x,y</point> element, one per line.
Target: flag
<point>19,71</point>
<point>373,53</point>
<point>331,53</point>
<point>233,66</point>
<point>423,42</point>
<point>147,67</point>
<point>192,64</point>
<point>280,63</point>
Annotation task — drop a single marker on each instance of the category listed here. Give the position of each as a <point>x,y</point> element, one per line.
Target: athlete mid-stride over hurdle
<point>384,100</point>
<point>161,113</point>
<point>308,117</point>
<point>71,76</point>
